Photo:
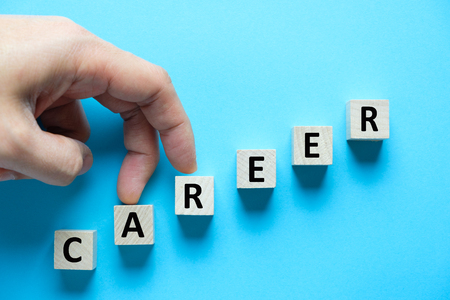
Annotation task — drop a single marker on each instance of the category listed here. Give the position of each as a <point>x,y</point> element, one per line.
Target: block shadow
<point>76,281</point>
<point>135,256</point>
<point>365,151</point>
<point>310,177</point>
<point>255,199</point>
<point>310,185</point>
<point>194,227</point>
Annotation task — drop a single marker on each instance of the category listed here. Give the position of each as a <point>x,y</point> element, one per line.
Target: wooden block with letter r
<point>367,120</point>
<point>133,225</point>
<point>256,169</point>
<point>194,195</point>
<point>75,249</point>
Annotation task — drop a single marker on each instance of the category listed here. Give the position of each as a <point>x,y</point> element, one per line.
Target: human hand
<point>46,64</point>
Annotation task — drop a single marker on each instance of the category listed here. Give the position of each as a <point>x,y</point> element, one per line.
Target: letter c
<point>66,250</point>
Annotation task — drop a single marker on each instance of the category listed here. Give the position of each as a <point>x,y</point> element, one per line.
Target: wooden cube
<point>75,249</point>
<point>194,195</point>
<point>367,120</point>
<point>133,225</point>
<point>312,145</point>
<point>256,169</point>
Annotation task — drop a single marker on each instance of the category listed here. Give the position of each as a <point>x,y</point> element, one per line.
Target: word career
<point>367,120</point>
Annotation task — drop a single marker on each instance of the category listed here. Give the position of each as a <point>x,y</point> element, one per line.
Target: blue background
<point>374,225</point>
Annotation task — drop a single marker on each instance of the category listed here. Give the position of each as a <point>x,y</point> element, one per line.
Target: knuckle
<point>65,23</point>
<point>69,27</point>
<point>60,20</point>
<point>70,171</point>
<point>80,30</point>
<point>73,31</point>
<point>162,81</point>
<point>163,76</point>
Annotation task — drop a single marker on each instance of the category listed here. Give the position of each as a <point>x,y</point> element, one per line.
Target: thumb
<point>48,157</point>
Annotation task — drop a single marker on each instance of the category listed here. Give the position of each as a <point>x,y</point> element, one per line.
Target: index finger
<point>161,106</point>
<point>133,79</point>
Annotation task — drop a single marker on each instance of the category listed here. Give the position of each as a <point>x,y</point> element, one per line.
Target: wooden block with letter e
<point>368,120</point>
<point>312,145</point>
<point>75,249</point>
<point>194,195</point>
<point>256,169</point>
<point>133,225</point>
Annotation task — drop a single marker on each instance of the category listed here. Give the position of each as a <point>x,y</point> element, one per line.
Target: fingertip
<point>88,160</point>
<point>185,163</point>
<point>192,168</point>
<point>129,201</point>
<point>126,196</point>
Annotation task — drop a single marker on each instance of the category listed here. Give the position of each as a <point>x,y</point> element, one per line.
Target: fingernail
<point>7,176</point>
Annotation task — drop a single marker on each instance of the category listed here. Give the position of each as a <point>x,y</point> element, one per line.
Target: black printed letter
<point>188,196</point>
<point>66,250</point>
<point>365,119</point>
<point>308,144</point>
<point>252,168</point>
<point>132,216</point>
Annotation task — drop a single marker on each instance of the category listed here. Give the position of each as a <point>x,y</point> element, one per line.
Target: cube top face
<point>312,145</point>
<point>133,225</point>
<point>194,195</point>
<point>75,249</point>
<point>256,169</point>
<point>367,120</point>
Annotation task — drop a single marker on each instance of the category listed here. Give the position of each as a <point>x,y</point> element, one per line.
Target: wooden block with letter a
<point>312,145</point>
<point>133,225</point>
<point>368,120</point>
<point>194,195</point>
<point>75,249</point>
<point>256,169</point>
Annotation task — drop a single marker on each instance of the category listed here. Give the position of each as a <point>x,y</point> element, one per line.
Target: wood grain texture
<point>84,249</point>
<point>354,113</point>
<point>303,143</point>
<point>206,197</point>
<point>144,215</point>
<point>268,172</point>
